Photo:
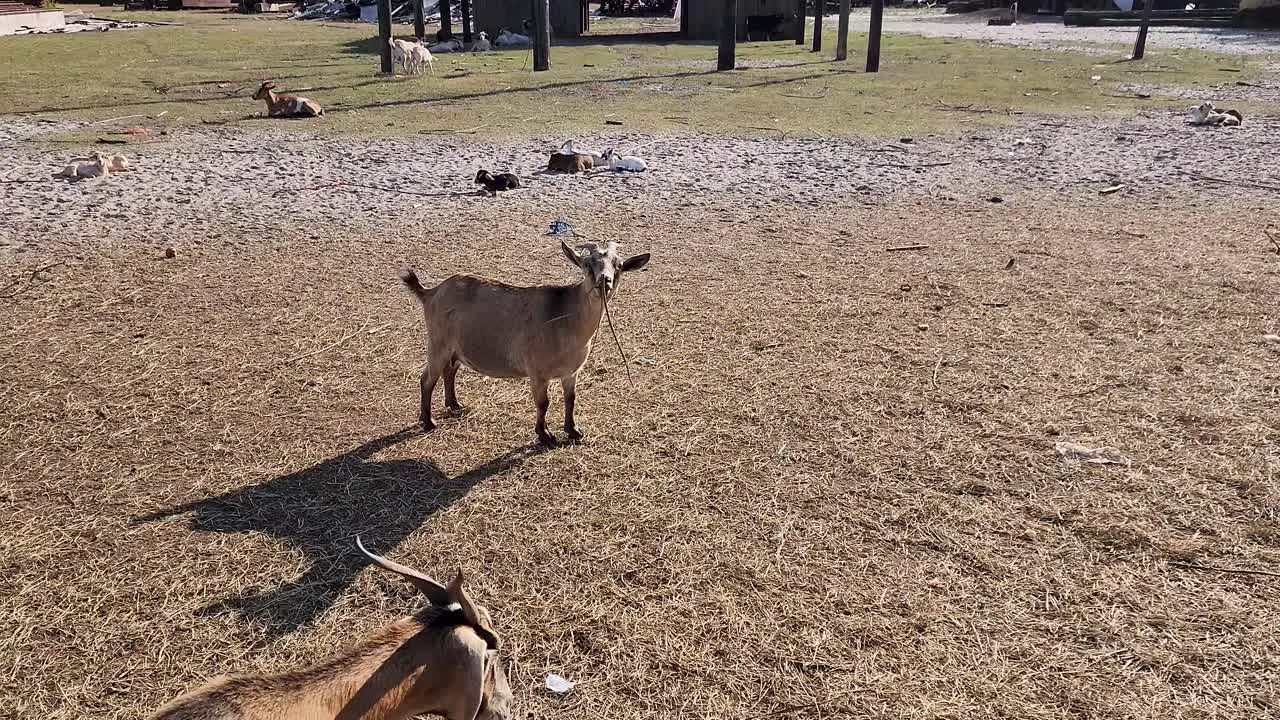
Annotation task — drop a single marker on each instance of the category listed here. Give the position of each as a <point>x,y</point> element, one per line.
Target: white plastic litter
<point>559,685</point>
<point>1074,453</point>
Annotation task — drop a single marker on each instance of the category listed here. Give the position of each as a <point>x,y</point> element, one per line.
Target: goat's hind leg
<point>430,377</point>
<point>450,393</point>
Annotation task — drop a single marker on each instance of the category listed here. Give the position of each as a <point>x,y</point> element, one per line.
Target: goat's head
<point>452,598</point>
<point>602,265</point>
<point>266,87</point>
<point>484,176</point>
<point>482,35</point>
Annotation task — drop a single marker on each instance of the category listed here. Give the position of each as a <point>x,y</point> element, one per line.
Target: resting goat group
<point>441,660</point>
<point>542,333</point>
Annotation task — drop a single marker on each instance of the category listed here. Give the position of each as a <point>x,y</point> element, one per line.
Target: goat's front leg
<point>541,401</point>
<point>570,385</point>
<point>428,386</point>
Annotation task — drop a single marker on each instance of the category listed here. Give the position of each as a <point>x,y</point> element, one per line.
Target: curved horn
<point>435,592</point>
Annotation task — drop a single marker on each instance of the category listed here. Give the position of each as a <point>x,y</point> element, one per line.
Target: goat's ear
<point>635,262</point>
<point>570,253</point>
<point>480,623</point>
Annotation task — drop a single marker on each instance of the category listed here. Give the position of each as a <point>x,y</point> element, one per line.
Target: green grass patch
<point>206,69</point>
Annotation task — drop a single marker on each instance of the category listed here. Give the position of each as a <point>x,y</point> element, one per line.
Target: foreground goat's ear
<point>635,262</point>
<point>571,254</point>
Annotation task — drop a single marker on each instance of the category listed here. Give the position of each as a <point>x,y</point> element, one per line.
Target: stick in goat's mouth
<point>625,364</point>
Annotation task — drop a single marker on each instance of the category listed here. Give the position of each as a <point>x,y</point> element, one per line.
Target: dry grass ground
<point>832,491</point>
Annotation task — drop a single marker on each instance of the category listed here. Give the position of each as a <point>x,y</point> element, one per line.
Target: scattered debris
<point>1274,237</point>
<point>898,248</point>
<point>995,199</point>
<point>1009,265</point>
<point>1073,453</point>
<point>170,253</point>
<point>1271,338</point>
<point>86,23</point>
<point>1112,189</point>
<point>559,685</point>
<point>559,227</point>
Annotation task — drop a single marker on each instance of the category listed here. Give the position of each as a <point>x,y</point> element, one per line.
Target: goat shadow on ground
<point>321,508</point>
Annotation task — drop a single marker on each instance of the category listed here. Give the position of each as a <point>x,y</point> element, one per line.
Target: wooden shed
<point>766,19</point>
<point>567,16</point>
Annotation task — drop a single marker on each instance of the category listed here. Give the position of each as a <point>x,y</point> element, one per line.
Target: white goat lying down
<point>630,163</point>
<point>1206,114</point>
<point>441,660</point>
<point>505,331</point>
<point>447,46</point>
<point>506,38</point>
<point>97,165</point>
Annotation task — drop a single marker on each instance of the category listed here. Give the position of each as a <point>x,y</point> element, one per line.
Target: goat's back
<point>510,331</point>
<point>575,163</point>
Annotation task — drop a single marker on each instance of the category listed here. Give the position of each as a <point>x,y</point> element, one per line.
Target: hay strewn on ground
<point>832,493</point>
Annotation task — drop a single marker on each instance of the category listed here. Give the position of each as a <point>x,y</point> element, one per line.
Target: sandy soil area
<point>219,184</point>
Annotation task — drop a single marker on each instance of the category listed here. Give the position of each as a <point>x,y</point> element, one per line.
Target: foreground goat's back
<point>442,660</point>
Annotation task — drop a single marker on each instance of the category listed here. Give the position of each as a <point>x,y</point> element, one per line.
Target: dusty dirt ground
<point>832,491</point>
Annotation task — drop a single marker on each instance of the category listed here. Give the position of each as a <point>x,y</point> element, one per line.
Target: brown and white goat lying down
<point>542,333</point>
<point>441,660</point>
<point>286,106</point>
<point>1207,114</point>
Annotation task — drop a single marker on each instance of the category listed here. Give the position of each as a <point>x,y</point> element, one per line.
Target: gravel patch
<point>232,185</point>
<point>1045,34</point>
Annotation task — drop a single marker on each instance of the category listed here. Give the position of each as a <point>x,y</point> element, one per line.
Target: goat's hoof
<point>455,410</point>
<point>547,439</point>
<point>428,426</point>
<point>574,435</point>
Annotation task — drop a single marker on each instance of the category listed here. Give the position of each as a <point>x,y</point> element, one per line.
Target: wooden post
<point>873,36</point>
<point>802,12</point>
<point>419,22</point>
<point>728,37</point>
<point>842,32</point>
<point>541,35</point>
<point>684,19</point>
<point>819,6</point>
<point>1140,47</point>
<point>446,20</point>
<point>464,8</point>
<point>384,34</point>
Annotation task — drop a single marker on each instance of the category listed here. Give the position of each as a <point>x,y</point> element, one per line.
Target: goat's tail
<point>410,279</point>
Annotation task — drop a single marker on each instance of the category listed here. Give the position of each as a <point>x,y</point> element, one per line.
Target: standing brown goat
<point>505,331</point>
<point>442,660</point>
<point>286,106</point>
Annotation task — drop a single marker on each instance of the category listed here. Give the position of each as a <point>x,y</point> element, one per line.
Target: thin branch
<point>1226,181</point>
<point>328,347</point>
<point>911,166</point>
<point>898,248</point>
<point>1211,568</point>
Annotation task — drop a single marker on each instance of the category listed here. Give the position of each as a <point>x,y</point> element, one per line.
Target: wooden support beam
<point>419,22</point>
<point>727,59</point>
<point>384,34</point>
<point>1140,46</point>
<point>842,32</point>
<point>446,20</point>
<point>541,35</point>
<point>819,6</point>
<point>464,9</point>
<point>873,36</point>
<point>802,12</point>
